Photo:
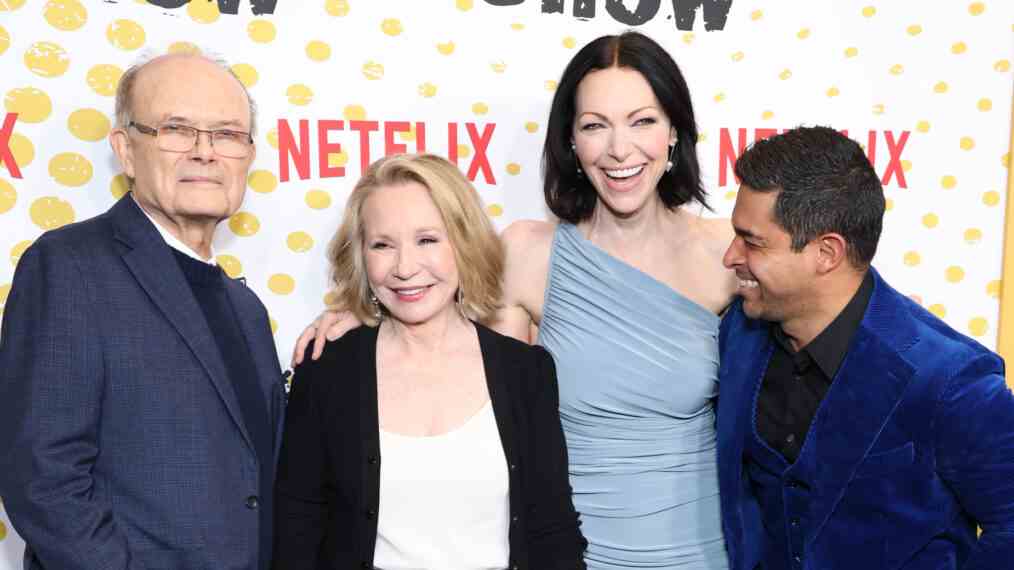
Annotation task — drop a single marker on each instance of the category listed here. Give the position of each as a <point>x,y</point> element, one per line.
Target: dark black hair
<point>825,184</point>
<point>572,197</point>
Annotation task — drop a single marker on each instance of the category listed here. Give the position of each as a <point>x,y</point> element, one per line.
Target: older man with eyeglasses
<point>141,399</point>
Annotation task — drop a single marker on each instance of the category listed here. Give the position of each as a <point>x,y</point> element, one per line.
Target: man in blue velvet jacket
<point>856,430</point>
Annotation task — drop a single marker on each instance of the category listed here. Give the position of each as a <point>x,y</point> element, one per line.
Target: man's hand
<point>329,325</point>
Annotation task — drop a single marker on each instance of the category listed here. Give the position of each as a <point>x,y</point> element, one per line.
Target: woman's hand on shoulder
<point>329,325</point>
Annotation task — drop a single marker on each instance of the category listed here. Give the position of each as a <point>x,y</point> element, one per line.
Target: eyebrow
<point>747,234</point>
<point>630,114</point>
<point>229,123</point>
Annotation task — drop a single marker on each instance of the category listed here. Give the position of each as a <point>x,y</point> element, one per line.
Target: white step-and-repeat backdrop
<point>339,83</point>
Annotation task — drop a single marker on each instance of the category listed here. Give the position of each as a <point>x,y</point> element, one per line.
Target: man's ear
<point>832,251</point>
<point>124,151</point>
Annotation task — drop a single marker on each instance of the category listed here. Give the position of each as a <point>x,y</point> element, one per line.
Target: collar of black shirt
<point>830,346</point>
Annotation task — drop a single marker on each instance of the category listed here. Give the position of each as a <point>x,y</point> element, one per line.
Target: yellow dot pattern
<point>31,104</point>
<point>47,59</point>
<point>244,224</point>
<point>299,242</point>
<point>89,125</point>
<point>103,79</point>
<point>8,196</point>
<point>281,284</point>
<point>246,73</point>
<point>230,264</point>
<point>70,169</point>
<point>50,212</point>
<point>318,199</point>
<point>261,31</point>
<point>18,250</point>
<point>65,15</point>
<point>125,34</point>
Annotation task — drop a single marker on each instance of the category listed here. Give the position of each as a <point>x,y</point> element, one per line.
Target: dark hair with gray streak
<point>825,184</point>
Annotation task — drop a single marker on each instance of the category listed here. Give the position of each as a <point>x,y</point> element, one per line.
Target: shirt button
<point>252,502</point>
<point>514,466</point>
<point>797,558</point>
<point>370,513</point>
<point>790,438</point>
<point>372,460</point>
<point>515,518</point>
<point>794,522</point>
<point>366,564</point>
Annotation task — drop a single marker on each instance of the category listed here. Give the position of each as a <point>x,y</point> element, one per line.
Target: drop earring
<point>377,313</point>
<point>573,150</point>
<point>672,155</point>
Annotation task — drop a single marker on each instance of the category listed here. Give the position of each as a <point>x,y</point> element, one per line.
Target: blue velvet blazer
<point>912,447</point>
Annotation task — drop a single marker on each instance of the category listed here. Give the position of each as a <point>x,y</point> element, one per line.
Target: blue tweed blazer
<point>121,440</point>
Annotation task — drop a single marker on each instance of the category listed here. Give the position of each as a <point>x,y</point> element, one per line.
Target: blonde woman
<point>423,439</point>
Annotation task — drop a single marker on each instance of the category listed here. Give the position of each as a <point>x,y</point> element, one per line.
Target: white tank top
<point>444,501</point>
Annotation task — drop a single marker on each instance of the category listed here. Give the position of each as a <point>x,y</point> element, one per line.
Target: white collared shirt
<point>175,243</point>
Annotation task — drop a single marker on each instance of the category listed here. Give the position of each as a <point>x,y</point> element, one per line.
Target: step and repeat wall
<point>340,83</point>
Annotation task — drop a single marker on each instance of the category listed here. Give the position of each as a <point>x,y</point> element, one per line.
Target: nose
<point>408,264</point>
<point>619,144</point>
<point>734,254</point>
<point>203,150</point>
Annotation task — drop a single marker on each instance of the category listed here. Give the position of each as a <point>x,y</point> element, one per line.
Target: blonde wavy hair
<point>478,251</point>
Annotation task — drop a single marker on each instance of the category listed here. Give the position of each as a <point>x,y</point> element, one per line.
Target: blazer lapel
<point>152,264</point>
<point>865,392</point>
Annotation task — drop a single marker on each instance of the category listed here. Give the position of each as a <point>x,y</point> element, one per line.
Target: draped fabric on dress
<point>637,365</point>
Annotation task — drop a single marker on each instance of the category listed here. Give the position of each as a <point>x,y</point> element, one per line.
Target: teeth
<point>625,172</point>
<point>747,283</point>
<point>410,291</point>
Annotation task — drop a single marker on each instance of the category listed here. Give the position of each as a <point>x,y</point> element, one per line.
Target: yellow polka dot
<point>66,15</point>
<point>923,126</point>
<point>70,169</point>
<point>954,274</point>
<point>993,288</point>
<point>550,85</point>
<point>878,109</point>
<point>244,224</point>
<point>498,66</point>
<point>967,143</point>
<point>897,69</point>
<point>494,210</point>
<point>984,104</point>
<point>88,125</point>
<point>337,8</point>
<point>517,26</point>
<point>785,74</point>
<point>230,264</point>
<point>103,79</point>
<point>125,34</point>
<point>991,198</point>
<point>869,11</point>
<point>914,30</point>
<point>272,137</point>
<point>46,59</point>
<point>930,220</point>
<point>273,324</point>
<point>906,165</point>
<point>19,249</point>
<point>719,97</point>
<point>531,126</point>
<point>1002,65</point>
<point>408,135</point>
<point>318,199</point>
<point>463,5</point>
<point>354,113</point>
<point>373,70</point>
<point>1005,160</point>
<point>262,181</point>
<point>427,89</point>
<point>702,136</point>
<point>337,159</point>
<point>246,73</point>
<point>688,38</point>
<point>464,151</point>
<point>11,5</point>
<point>569,42</point>
<point>851,52</point>
<point>281,284</point>
<point>118,186</point>
<point>331,298</point>
<point>22,149</point>
<point>888,204</point>
<point>940,87</point>
<point>480,108</point>
<point>5,291</point>
<point>833,92</point>
<point>5,40</point>
<point>767,115</point>
<point>958,48</point>
<point>446,48</point>
<point>803,33</point>
<point>939,310</point>
<point>50,212</point>
<point>513,168</point>
<point>299,94</point>
<point>730,195</point>
<point>299,242</point>
<point>978,326</point>
<point>912,258</point>
<point>8,196</point>
<point>973,236</point>
<point>391,26</point>
<point>203,12</point>
<point>261,31</point>
<point>318,50</point>
<point>948,182</point>
<point>32,105</point>
<point>186,48</point>
<point>976,8</point>
<point>738,56</point>
<point>756,15</point>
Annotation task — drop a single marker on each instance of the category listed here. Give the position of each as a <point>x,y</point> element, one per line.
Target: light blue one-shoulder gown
<point>637,365</point>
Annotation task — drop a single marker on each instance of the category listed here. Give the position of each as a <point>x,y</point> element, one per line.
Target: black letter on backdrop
<point>582,8</point>
<point>646,10</point>
<point>170,4</point>
<point>715,12</point>
<point>258,7</point>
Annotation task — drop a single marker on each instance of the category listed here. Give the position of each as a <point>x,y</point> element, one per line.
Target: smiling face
<point>775,282</point>
<point>621,137</point>
<point>409,258</point>
<point>199,185</point>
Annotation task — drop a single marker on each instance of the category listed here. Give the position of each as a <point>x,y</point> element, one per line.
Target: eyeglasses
<point>181,138</point>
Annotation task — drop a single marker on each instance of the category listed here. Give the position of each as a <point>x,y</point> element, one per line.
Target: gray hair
<point>125,90</point>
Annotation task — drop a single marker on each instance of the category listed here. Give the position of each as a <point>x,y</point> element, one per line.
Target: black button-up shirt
<point>796,382</point>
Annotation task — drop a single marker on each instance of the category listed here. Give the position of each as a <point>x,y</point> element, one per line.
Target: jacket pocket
<point>887,462</point>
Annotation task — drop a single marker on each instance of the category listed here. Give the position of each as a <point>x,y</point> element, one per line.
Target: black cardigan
<point>327,488</point>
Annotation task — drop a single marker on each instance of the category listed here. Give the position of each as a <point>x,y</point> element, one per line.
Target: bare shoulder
<point>525,234</point>
<point>717,232</point>
<point>715,236</point>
